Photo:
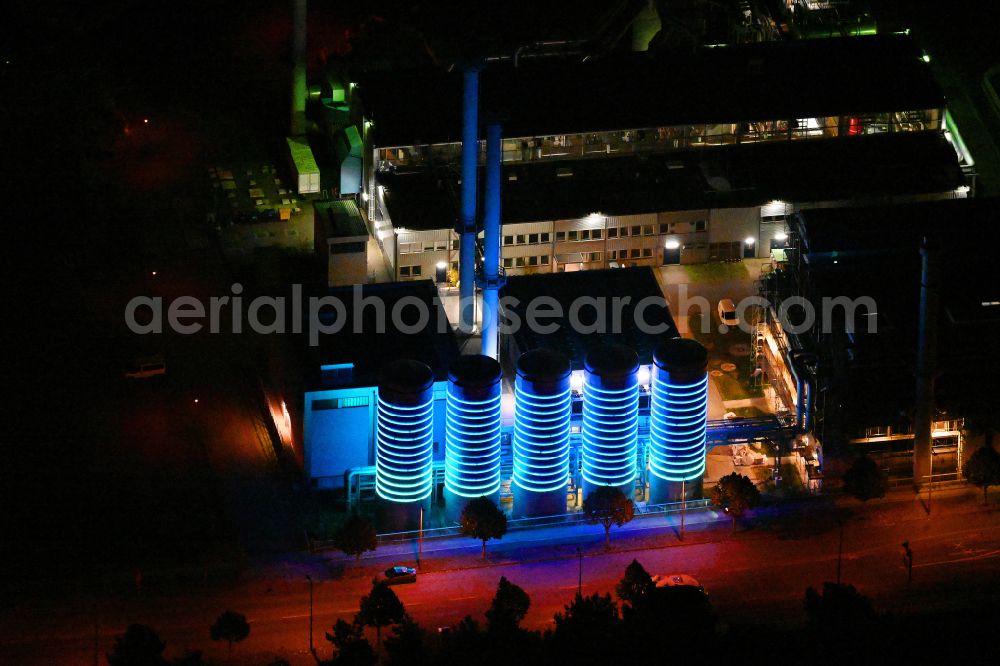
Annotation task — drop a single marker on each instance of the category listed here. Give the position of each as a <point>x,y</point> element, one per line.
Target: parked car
<point>146,367</point>
<point>727,312</point>
<point>677,580</point>
<point>400,575</point>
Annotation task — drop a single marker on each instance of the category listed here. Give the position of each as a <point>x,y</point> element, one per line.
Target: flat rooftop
<point>767,81</point>
<point>361,341</point>
<point>340,218</point>
<point>847,168</point>
<point>633,284</point>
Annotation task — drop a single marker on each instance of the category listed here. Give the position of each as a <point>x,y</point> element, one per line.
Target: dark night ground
<point>90,211</point>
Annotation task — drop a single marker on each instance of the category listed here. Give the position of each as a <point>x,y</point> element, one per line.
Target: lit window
<point>428,247</point>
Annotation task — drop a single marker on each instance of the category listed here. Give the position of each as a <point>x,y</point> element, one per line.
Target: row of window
<point>427,246</point>
<point>561,236</point>
<point>634,253</point>
<point>526,239</point>
<point>598,234</point>
<point>521,262</point>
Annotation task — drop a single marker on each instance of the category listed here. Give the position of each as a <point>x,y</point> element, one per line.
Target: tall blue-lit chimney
<point>470,167</point>
<point>492,281</point>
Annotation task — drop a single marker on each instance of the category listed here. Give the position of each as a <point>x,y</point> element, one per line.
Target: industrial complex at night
<point>436,332</point>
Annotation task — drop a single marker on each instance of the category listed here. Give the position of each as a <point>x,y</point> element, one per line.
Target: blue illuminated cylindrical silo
<point>610,418</point>
<point>404,426</point>
<point>542,409</point>
<point>677,420</point>
<point>472,432</point>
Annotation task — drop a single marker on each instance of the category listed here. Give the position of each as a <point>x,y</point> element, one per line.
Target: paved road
<point>756,575</point>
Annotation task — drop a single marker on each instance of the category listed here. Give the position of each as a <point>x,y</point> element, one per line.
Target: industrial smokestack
<point>470,166</point>
<point>299,11</point>
<point>491,241</point>
<point>923,413</point>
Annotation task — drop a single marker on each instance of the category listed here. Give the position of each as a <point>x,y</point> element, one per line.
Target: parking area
<point>694,292</point>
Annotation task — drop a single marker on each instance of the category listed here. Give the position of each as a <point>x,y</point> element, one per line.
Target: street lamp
<point>309,578</point>
<point>579,584</point>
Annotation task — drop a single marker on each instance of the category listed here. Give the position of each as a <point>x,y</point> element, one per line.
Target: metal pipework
<point>492,280</point>
<point>467,222</point>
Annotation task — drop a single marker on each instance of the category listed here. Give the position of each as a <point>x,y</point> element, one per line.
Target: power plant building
<point>662,165</point>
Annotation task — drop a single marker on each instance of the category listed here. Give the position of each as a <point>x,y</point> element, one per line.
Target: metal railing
<point>519,524</point>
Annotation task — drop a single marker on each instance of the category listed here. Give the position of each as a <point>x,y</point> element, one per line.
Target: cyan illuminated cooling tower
<point>677,419</point>
<point>542,408</point>
<point>404,426</point>
<point>472,431</point>
<point>610,419</point>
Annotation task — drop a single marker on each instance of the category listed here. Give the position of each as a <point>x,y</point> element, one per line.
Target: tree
<point>844,621</point>
<point>356,537</point>
<point>509,607</point>
<point>231,627</point>
<point>465,644</point>
<point>636,583</point>
<point>684,608</point>
<point>735,494</point>
<point>864,480</point>
<point>588,630</point>
<point>983,469</point>
<point>351,646</point>
<point>608,506</point>
<point>138,646</point>
<point>380,608</point>
<point>483,520</point>
<point>406,645</point>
